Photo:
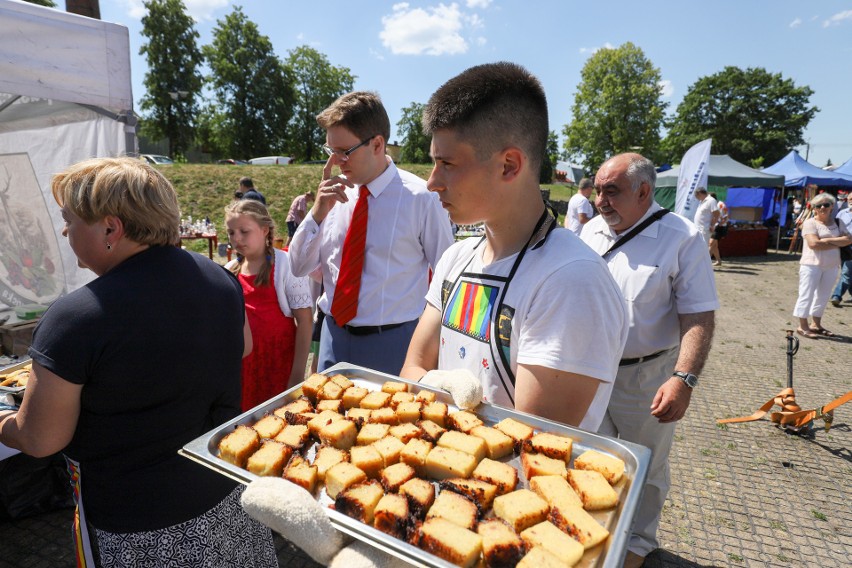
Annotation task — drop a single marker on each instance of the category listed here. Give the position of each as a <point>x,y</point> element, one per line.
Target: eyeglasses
<point>344,154</point>
<point>822,206</point>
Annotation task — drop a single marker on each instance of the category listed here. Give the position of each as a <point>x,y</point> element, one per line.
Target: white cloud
<point>417,31</point>
<point>607,45</point>
<point>837,18</point>
<point>666,88</point>
<point>796,23</point>
<point>377,54</point>
<point>477,4</point>
<point>474,22</point>
<point>480,41</point>
<point>198,9</point>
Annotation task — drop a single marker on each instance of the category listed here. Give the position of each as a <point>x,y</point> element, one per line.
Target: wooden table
<point>212,242</point>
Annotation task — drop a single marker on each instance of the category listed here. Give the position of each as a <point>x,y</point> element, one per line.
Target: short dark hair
<point>493,106</point>
<point>246,182</point>
<point>360,112</point>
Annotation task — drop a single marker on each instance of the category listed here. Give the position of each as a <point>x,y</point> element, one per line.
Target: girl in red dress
<point>278,305</point>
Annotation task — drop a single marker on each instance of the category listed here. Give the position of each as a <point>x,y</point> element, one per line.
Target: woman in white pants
<point>819,265</point>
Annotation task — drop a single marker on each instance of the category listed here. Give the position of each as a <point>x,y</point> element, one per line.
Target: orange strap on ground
<point>791,414</point>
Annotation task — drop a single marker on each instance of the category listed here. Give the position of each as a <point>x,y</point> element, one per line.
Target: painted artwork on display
<point>30,262</point>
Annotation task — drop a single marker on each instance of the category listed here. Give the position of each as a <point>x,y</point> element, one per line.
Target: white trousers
<point>815,285</point>
<point>628,417</point>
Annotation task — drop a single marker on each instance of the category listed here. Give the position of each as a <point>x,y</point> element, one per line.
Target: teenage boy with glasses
<point>393,236</point>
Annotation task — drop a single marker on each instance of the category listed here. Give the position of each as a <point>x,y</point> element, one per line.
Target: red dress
<point>267,369</point>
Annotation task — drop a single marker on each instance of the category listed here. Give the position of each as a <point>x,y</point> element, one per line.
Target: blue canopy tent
<point>845,168</point>
<point>800,173</point>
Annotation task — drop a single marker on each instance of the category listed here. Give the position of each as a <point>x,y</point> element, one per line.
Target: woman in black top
<point>132,366</point>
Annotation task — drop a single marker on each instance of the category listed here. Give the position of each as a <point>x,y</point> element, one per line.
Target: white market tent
<point>65,96</point>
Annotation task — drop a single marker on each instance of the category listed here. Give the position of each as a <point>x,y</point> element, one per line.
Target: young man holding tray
<point>499,306</point>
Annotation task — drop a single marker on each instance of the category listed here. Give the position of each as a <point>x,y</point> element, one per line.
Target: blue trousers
<point>845,283</point>
<point>384,351</point>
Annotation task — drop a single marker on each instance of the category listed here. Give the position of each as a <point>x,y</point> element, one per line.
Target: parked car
<point>232,162</point>
<point>271,161</point>
<point>156,159</point>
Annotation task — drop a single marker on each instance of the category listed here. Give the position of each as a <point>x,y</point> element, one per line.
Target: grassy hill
<point>205,189</point>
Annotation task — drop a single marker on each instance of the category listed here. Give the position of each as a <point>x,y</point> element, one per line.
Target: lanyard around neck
<point>636,230</point>
<point>532,242</point>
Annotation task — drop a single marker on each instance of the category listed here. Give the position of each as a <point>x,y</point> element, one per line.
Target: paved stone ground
<point>742,495</point>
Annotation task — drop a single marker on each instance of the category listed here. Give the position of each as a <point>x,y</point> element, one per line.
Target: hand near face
<point>331,190</point>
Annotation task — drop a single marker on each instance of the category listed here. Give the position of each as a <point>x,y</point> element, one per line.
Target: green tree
<point>551,155</point>
<point>618,107</point>
<point>173,80</point>
<point>415,143</point>
<point>318,83</point>
<point>253,90</point>
<point>749,114</point>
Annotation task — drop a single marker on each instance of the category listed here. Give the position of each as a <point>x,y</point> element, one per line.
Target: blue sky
<point>406,50</point>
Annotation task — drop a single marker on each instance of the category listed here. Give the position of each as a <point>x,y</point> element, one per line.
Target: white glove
<point>294,513</point>
<point>463,385</point>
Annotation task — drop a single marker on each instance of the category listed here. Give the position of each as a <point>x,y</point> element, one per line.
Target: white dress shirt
<point>407,232</point>
<point>663,271</point>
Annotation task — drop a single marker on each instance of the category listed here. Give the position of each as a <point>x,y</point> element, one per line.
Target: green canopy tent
<point>723,172</point>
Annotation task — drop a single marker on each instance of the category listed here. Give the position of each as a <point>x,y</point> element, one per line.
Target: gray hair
<point>817,199</point>
<point>641,170</point>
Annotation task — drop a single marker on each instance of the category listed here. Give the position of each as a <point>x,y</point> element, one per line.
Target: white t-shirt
<point>562,310</point>
<point>704,213</point>
<point>576,205</point>
<point>663,271</point>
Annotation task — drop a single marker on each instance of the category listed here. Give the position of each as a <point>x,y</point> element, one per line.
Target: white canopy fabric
<point>50,54</point>
<point>65,96</point>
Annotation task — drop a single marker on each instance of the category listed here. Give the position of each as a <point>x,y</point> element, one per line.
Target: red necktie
<point>345,303</point>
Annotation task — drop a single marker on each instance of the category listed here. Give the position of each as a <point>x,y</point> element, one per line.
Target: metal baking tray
<point>618,521</point>
<point>10,369</point>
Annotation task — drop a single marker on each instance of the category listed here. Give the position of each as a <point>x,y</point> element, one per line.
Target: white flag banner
<point>692,175</point>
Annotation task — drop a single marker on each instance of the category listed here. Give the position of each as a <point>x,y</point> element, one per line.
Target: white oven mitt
<point>463,385</point>
<point>295,514</point>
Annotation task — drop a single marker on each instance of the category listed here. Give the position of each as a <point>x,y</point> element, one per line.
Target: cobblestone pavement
<point>743,494</point>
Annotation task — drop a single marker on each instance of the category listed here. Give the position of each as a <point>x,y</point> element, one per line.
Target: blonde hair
<point>126,188</point>
<point>260,214</point>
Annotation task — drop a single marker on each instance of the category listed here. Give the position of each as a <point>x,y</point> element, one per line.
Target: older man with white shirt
<point>661,264</point>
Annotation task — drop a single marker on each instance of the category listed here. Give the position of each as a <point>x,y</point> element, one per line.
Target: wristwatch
<point>689,379</point>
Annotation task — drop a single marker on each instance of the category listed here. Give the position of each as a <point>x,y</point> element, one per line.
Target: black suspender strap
<point>636,230</point>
